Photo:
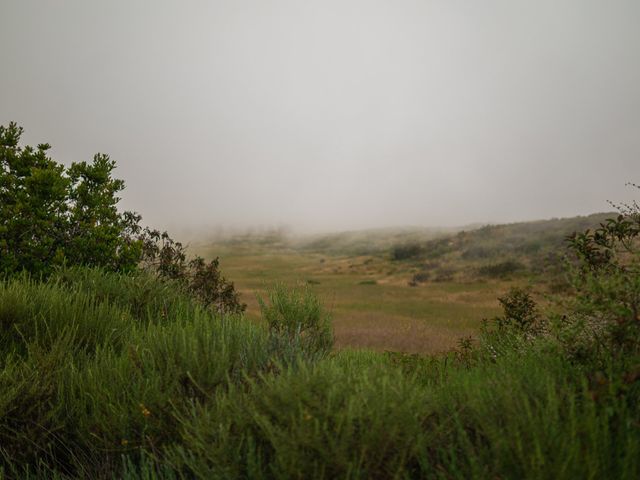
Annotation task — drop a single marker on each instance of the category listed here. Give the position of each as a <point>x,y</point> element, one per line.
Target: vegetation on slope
<point>496,251</point>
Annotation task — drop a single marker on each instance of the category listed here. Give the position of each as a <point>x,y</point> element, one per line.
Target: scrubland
<point>410,290</point>
<point>111,376</point>
<point>108,375</point>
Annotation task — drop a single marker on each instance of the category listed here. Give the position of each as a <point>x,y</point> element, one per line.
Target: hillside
<point>495,251</point>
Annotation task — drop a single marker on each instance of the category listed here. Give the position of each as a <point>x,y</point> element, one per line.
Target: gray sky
<point>335,114</point>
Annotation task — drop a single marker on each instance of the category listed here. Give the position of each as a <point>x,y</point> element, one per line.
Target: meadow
<point>421,303</point>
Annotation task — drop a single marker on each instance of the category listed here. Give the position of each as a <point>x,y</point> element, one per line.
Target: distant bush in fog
<point>500,269</point>
<point>407,251</point>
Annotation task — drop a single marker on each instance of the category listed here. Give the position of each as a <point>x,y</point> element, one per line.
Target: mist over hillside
<point>333,115</point>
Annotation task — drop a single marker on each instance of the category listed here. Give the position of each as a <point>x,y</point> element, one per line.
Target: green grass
<point>375,302</point>
<point>97,382</point>
<point>371,307</point>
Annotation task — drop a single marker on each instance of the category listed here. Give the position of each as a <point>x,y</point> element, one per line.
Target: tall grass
<point>104,376</point>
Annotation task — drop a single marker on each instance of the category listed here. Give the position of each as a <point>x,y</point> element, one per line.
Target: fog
<point>331,114</point>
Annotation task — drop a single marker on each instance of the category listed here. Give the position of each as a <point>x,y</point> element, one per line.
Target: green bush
<point>50,215</point>
<point>603,318</point>
<point>297,320</point>
<point>520,312</point>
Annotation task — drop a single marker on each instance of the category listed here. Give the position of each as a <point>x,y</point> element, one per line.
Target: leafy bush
<point>50,215</point>
<point>605,274</point>
<point>91,373</point>
<point>167,259</point>
<point>296,318</point>
<point>520,311</point>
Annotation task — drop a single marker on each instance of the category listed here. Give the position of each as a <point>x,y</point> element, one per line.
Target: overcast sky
<point>335,114</point>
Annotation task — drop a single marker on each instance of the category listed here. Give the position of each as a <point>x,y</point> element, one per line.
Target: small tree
<point>51,215</point>
<point>520,311</point>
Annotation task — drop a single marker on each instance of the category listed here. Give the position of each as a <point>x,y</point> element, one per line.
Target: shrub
<point>520,311</point>
<point>605,273</point>
<point>89,374</point>
<point>50,214</point>
<point>167,259</point>
<point>297,320</point>
<point>407,251</point>
<point>501,269</point>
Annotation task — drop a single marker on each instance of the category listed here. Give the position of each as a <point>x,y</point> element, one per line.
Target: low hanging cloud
<point>335,114</point>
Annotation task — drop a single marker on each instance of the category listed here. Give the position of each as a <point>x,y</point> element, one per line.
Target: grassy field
<point>446,283</point>
<point>369,296</point>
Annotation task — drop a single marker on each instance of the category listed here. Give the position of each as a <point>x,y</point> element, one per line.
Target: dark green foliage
<point>167,258</point>
<point>520,311</point>
<point>50,215</point>
<point>501,269</point>
<point>407,251</point>
<point>98,235</point>
<point>605,274</point>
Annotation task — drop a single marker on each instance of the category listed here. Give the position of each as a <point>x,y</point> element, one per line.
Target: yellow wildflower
<point>145,411</point>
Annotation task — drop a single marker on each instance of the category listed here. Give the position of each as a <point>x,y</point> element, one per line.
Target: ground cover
<point>369,296</point>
